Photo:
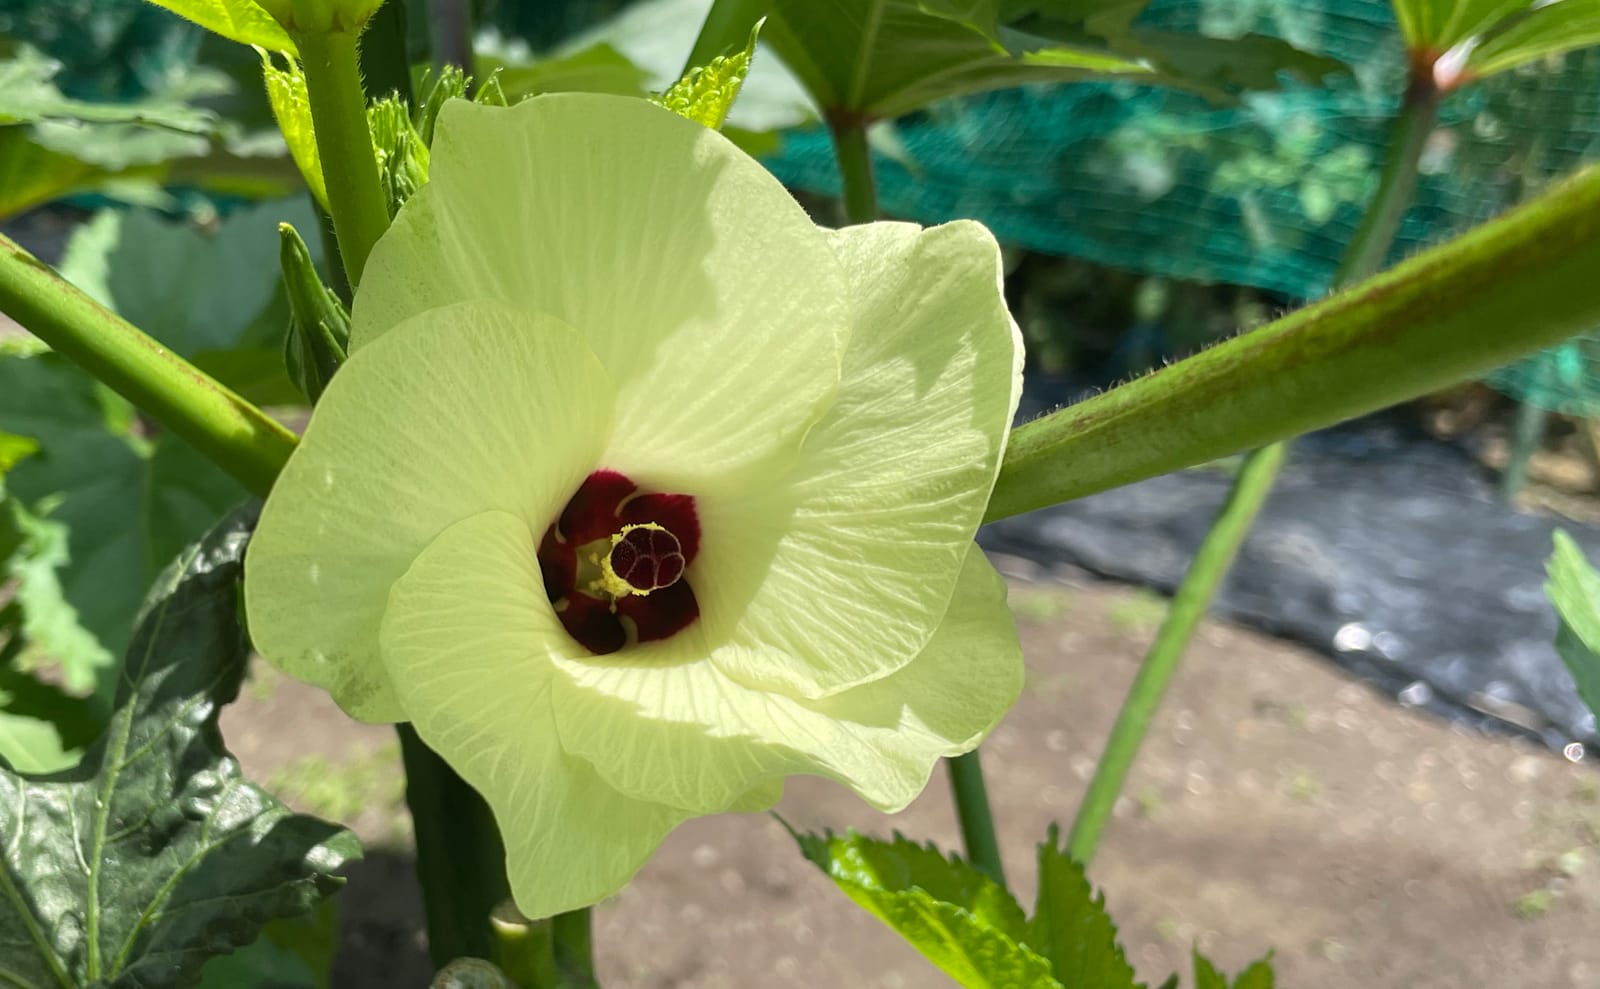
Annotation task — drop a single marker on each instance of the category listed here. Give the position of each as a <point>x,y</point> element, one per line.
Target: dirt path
<point>1278,805</point>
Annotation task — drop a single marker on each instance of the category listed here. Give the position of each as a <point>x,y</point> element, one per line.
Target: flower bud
<point>319,325</point>
<point>303,17</point>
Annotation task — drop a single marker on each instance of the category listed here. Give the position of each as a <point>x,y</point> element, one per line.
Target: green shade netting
<point>1265,193</point>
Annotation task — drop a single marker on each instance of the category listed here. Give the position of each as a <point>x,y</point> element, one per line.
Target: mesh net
<point>1266,193</point>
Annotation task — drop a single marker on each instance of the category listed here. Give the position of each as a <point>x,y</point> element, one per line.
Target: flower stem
<point>972,810</point>
<point>461,863</point>
<point>229,431</point>
<point>574,950</point>
<point>1252,484</point>
<point>349,165</point>
<point>1189,604</point>
<point>855,167</point>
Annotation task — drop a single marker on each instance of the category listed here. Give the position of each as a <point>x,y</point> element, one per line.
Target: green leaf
<point>1574,589</point>
<point>884,58</point>
<point>1258,976</point>
<point>49,625</point>
<point>237,20</point>
<point>1436,26</point>
<point>286,92</point>
<point>1214,66</point>
<point>195,290</point>
<point>128,502</point>
<point>293,952</point>
<point>42,728</point>
<point>599,68</point>
<point>1070,926</point>
<point>154,854</point>
<point>12,450</point>
<point>28,95</point>
<point>1540,32</point>
<point>706,93</point>
<point>961,920</point>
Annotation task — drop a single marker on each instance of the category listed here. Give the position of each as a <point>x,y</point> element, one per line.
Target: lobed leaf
<point>958,918</point>
<point>1070,925</point>
<point>154,854</point>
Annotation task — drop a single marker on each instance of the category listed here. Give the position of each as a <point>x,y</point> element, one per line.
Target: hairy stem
<point>972,810</point>
<point>349,165</point>
<point>1248,493</point>
<point>1511,286</point>
<point>229,431</point>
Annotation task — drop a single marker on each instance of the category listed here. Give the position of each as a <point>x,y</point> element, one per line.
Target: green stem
<point>1525,437</point>
<point>1211,563</point>
<point>523,948</point>
<point>1512,286</point>
<point>461,862</point>
<point>349,164</point>
<point>1408,136</point>
<point>574,950</point>
<point>855,168</point>
<point>972,810</point>
<point>1248,493</point>
<point>229,431</point>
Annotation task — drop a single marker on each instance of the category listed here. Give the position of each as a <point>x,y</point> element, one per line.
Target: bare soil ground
<point>1277,805</point>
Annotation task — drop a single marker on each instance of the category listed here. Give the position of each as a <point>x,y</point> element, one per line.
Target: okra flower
<point>641,492</point>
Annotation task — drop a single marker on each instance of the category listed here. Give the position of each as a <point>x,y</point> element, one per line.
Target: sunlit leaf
<point>1543,31</point>
<point>286,92</point>
<point>1070,925</point>
<point>958,918</point>
<point>154,854</point>
<point>237,20</point>
<point>1574,589</point>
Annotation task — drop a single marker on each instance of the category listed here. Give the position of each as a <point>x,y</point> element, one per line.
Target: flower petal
<point>459,410</point>
<point>665,727</point>
<point>467,639</point>
<point>840,577</point>
<point>713,302</point>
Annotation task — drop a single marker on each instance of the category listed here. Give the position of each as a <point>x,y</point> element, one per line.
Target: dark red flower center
<point>614,563</point>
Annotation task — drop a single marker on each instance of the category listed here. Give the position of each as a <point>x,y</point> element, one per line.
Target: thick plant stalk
<point>229,431</point>
<point>349,165</point>
<point>855,168</point>
<point>1366,252</point>
<point>461,863</point>
<point>1514,285</point>
<point>574,950</point>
